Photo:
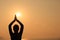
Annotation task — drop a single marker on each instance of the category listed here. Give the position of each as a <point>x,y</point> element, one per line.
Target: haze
<point>41,18</point>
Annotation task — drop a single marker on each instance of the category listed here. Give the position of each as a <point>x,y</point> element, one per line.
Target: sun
<point>18,14</point>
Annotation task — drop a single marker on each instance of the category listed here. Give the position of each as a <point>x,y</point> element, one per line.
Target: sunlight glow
<point>24,39</point>
<point>18,14</point>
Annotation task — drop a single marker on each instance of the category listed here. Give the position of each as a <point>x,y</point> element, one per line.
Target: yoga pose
<point>16,35</point>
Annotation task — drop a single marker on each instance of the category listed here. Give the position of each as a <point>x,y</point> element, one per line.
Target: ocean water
<point>33,39</point>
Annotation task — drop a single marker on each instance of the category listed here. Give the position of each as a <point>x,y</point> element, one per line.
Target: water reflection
<point>24,39</point>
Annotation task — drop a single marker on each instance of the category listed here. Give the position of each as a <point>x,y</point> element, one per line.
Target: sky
<point>41,18</point>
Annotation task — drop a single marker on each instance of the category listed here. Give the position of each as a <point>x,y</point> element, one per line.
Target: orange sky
<point>41,18</point>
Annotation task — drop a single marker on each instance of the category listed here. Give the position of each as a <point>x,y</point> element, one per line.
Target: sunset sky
<point>41,18</point>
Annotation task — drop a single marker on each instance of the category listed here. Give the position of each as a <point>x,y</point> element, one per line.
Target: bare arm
<point>10,25</point>
<point>22,27</point>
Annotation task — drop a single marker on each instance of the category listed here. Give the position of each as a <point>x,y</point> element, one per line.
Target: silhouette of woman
<point>16,35</point>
